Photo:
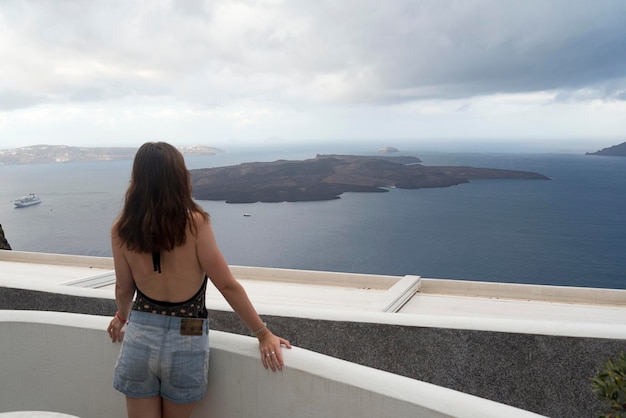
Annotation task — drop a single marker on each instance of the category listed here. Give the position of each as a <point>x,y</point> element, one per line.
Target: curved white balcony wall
<point>63,362</point>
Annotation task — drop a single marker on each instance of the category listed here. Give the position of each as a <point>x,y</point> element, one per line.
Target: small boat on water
<point>27,200</point>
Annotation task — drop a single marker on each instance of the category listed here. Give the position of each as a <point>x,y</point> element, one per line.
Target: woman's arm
<point>124,290</point>
<point>215,266</point>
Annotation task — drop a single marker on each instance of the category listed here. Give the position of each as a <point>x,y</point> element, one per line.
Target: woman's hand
<point>115,329</point>
<point>271,350</point>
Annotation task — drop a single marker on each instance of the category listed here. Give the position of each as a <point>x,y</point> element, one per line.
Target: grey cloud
<point>13,100</point>
<point>500,47</point>
<point>191,8</point>
<point>392,51</point>
<point>614,89</point>
<point>620,95</point>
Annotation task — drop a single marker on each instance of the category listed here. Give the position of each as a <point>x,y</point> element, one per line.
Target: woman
<point>163,250</point>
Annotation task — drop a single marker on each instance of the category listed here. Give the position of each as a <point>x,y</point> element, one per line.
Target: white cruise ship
<point>27,200</point>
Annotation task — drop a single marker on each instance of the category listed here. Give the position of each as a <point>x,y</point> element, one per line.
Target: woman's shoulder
<point>116,241</point>
<point>115,229</point>
<point>200,218</point>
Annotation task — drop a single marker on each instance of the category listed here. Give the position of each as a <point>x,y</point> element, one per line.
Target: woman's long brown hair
<point>158,207</point>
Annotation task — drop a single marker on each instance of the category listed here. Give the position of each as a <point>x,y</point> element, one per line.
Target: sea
<point>566,231</point>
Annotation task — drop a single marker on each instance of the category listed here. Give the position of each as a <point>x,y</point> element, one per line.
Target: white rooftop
<point>409,300</point>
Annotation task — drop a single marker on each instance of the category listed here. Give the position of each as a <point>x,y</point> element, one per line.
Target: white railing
<point>52,361</point>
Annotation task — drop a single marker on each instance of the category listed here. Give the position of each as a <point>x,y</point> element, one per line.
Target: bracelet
<point>122,320</point>
<point>260,330</point>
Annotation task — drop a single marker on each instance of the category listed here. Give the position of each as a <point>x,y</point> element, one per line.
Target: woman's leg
<point>174,410</point>
<point>144,407</point>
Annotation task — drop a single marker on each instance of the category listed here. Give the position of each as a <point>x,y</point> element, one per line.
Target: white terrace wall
<point>63,362</point>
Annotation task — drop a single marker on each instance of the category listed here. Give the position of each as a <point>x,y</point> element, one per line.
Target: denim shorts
<point>156,360</point>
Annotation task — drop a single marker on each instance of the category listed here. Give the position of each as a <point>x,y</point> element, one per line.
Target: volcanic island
<point>326,177</point>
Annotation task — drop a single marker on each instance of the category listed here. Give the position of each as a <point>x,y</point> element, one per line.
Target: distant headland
<point>4,244</point>
<point>326,177</point>
<point>615,150</point>
<point>39,154</point>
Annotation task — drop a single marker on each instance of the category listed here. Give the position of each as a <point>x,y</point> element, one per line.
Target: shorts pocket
<point>134,362</point>
<point>189,368</point>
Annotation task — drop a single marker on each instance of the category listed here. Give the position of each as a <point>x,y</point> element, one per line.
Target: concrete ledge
<point>7,285</point>
<point>58,259</point>
<point>398,294</point>
<point>315,277</point>
<point>28,296</point>
<point>567,294</point>
<point>93,282</point>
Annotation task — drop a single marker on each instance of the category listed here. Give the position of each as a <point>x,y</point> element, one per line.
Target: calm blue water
<point>570,230</point>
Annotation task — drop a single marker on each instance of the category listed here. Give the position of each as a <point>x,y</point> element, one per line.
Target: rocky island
<point>326,177</point>
<point>615,150</point>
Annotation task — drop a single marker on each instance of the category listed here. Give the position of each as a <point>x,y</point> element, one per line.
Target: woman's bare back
<point>181,273</point>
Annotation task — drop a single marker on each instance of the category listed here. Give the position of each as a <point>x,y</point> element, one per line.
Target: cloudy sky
<point>543,73</point>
